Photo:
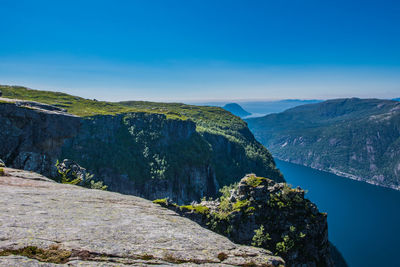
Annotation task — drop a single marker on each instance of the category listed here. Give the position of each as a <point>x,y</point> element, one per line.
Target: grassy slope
<point>210,119</point>
<point>78,105</point>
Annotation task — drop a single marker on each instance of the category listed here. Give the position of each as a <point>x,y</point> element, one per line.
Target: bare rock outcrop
<point>44,223</point>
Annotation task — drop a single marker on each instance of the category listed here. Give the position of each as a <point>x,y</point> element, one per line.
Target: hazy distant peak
<point>236,109</point>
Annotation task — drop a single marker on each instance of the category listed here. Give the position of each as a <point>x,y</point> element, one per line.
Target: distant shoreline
<point>341,174</point>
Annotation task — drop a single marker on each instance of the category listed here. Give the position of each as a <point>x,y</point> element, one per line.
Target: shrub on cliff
<point>76,175</point>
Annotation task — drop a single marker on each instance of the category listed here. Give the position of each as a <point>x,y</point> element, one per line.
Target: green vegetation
<point>2,173</point>
<point>200,209</point>
<point>286,198</point>
<point>254,181</point>
<point>97,185</point>
<point>77,105</point>
<point>53,254</point>
<point>284,246</point>
<point>241,204</point>
<point>261,238</point>
<point>162,202</point>
<point>69,177</point>
<point>65,178</point>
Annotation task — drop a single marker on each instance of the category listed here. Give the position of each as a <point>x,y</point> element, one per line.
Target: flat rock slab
<point>100,228</point>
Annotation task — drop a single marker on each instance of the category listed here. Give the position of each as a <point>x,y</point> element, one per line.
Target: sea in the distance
<point>363,219</point>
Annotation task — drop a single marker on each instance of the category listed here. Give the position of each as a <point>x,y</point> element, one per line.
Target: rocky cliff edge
<point>44,223</point>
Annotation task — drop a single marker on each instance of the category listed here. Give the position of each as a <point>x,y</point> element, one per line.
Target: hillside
<point>147,149</point>
<point>236,109</point>
<point>44,223</point>
<point>356,138</point>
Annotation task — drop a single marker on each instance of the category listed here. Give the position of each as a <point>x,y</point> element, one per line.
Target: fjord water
<point>363,219</point>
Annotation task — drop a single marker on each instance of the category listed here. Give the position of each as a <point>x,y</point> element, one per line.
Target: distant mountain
<point>396,99</point>
<point>356,138</point>
<point>262,108</point>
<point>268,107</point>
<point>236,109</point>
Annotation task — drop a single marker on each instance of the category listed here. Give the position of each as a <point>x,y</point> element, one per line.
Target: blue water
<point>363,219</point>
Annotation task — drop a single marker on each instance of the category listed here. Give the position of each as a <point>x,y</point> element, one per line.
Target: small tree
<point>64,177</point>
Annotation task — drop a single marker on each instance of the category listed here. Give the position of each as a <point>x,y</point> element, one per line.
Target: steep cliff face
<point>148,154</point>
<point>32,135</point>
<point>355,138</point>
<point>154,157</point>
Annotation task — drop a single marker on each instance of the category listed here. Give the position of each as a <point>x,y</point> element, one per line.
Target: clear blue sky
<point>203,50</point>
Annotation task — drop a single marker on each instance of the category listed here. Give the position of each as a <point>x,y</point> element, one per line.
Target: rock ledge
<point>99,228</point>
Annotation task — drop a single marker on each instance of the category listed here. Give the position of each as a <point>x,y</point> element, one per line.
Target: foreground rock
<point>43,221</point>
<point>266,214</point>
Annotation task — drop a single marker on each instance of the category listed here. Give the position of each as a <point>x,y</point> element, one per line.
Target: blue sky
<point>203,50</point>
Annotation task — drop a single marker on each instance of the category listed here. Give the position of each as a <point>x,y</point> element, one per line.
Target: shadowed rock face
<point>99,228</point>
<point>32,134</point>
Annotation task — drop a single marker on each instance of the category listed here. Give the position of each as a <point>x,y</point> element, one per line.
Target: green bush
<point>240,204</point>
<point>254,181</point>
<point>65,179</point>
<point>284,246</point>
<point>97,185</point>
<point>260,238</point>
<point>68,177</point>
<point>162,202</point>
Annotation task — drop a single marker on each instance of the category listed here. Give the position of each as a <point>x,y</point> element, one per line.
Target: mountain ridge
<point>355,138</point>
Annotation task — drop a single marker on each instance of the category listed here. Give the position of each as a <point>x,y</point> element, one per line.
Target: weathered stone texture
<point>102,228</point>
